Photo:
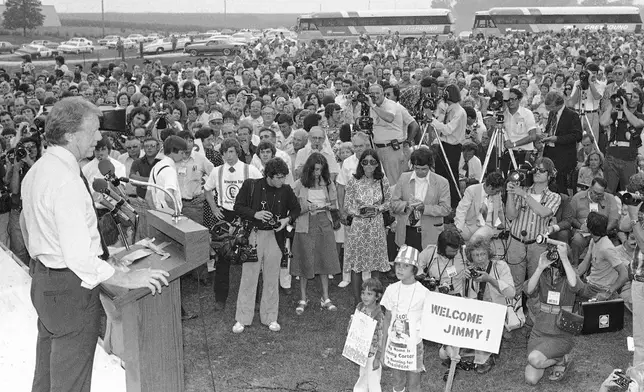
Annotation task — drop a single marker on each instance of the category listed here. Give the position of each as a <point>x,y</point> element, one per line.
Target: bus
<point>539,19</point>
<point>352,24</point>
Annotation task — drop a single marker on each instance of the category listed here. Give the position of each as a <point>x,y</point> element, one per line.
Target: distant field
<point>163,21</point>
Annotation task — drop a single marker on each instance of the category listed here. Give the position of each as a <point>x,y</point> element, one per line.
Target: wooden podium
<point>151,324</point>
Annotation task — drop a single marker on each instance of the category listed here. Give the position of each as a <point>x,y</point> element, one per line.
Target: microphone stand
<point>176,216</point>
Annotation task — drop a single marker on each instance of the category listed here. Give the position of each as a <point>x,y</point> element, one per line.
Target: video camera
<point>496,104</point>
<point>522,176</point>
<point>631,199</point>
<point>365,121</point>
<point>616,99</point>
<point>584,79</point>
<point>634,193</point>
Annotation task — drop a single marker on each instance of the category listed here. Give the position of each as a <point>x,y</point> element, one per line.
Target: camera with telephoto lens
<point>616,99</point>
<point>20,152</point>
<point>584,79</point>
<point>552,253</point>
<point>622,379</point>
<point>522,176</point>
<point>631,199</point>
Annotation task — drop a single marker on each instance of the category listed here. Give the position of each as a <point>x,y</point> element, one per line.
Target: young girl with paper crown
<point>403,301</point>
<point>369,380</point>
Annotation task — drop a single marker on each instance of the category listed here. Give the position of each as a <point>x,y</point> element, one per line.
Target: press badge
<point>451,271</point>
<point>593,207</point>
<point>182,171</point>
<point>553,297</point>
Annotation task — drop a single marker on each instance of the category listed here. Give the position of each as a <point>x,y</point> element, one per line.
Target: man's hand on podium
<point>134,279</point>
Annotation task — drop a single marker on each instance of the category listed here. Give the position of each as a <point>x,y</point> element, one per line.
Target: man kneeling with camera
<point>269,205</point>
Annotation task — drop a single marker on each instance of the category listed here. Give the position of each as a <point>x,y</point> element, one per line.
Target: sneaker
<point>274,326</point>
<point>238,327</point>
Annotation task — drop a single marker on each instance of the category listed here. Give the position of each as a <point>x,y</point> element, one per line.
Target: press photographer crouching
<point>442,265</point>
<point>554,284</point>
<point>269,205</point>
<point>607,272</point>
<point>485,279</point>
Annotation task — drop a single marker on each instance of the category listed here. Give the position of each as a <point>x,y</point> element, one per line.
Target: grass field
<point>307,354</point>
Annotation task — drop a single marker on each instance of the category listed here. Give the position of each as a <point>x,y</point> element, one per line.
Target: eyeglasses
<point>512,99</point>
<point>541,170</point>
<point>369,162</point>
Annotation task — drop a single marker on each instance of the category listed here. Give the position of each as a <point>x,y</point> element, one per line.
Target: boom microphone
<point>102,186</point>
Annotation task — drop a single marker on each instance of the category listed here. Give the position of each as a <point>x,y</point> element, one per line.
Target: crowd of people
<point>455,153</point>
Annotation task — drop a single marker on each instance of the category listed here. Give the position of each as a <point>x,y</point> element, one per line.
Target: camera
<point>273,222</point>
<point>622,379</point>
<point>434,285</point>
<point>230,241</point>
<point>429,102</point>
<point>495,106</point>
<point>584,79</point>
<point>631,199</point>
<point>552,253</point>
<point>616,99</point>
<point>475,272</point>
<point>522,176</point>
<point>365,122</point>
<point>20,152</point>
<point>362,98</point>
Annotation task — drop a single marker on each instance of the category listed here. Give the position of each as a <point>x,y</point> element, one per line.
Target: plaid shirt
<point>528,220</point>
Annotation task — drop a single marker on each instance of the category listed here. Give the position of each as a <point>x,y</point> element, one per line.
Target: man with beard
<point>171,95</point>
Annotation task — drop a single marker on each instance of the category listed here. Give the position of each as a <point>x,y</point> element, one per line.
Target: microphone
<point>107,170</point>
<point>111,204</point>
<point>177,213</point>
<point>102,186</point>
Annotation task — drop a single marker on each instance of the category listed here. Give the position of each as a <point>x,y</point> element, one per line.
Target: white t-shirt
<point>164,174</point>
<point>231,182</point>
<point>406,301</point>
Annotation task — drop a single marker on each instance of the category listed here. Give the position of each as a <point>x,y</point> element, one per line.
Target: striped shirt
<point>528,220</point>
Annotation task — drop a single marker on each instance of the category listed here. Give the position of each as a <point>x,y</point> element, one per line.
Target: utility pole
<point>224,9</point>
<point>103,15</point>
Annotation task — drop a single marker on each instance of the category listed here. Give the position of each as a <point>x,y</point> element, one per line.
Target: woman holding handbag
<point>556,284</point>
<point>314,250</point>
<point>367,196</point>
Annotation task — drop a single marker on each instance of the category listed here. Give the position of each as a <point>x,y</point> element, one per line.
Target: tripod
<point>582,114</point>
<point>497,140</point>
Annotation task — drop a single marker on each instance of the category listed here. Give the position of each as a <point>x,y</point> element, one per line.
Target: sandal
<point>328,305</point>
<point>300,307</point>
<point>560,370</point>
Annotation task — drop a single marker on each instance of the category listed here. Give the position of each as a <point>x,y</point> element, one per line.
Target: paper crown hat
<point>407,255</point>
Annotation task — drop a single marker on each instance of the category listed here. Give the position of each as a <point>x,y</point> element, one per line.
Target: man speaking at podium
<point>68,253</point>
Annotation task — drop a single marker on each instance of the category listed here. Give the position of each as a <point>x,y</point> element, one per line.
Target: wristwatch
<point>514,144</point>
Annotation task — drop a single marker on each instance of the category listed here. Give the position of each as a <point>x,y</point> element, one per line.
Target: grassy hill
<point>183,21</point>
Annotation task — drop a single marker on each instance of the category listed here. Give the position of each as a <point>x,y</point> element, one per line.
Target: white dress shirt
<point>60,220</point>
<point>420,187</point>
<point>518,126</point>
<point>453,130</point>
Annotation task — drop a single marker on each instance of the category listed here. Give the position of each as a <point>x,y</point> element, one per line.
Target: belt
<point>620,144</point>
<point>38,265</point>
<point>416,229</point>
<point>527,242</point>
<point>592,111</point>
<point>554,309</point>
<point>192,199</point>
<point>379,145</point>
<point>639,278</point>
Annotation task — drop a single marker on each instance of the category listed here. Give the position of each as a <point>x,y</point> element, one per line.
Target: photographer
<point>586,98</point>
<point>26,153</point>
<point>486,279</point>
<point>607,272</point>
<point>554,284</point>
<point>270,205</point>
<point>529,209</point>
<point>388,132</point>
<point>451,130</point>
<point>520,130</point>
<point>442,265</point>
<point>626,122</point>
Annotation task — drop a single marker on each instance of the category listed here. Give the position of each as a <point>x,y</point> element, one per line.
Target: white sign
<point>359,338</point>
<point>461,322</point>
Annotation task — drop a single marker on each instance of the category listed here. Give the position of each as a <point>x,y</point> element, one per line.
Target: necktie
<point>552,121</point>
<point>106,252</point>
<point>466,167</point>
<point>231,169</point>
<point>484,209</point>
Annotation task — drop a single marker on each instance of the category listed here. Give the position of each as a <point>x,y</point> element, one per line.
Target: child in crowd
<point>369,380</point>
<point>403,302</point>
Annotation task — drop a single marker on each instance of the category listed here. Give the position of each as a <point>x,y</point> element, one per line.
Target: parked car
<point>137,38</point>
<point>81,39</point>
<point>36,51</point>
<point>75,47</point>
<point>164,45</point>
<point>127,43</point>
<point>246,37</point>
<point>214,46</point>
<point>46,43</point>
<point>7,47</point>
<point>108,38</point>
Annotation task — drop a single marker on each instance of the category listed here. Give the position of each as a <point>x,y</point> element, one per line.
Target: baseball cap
<point>215,115</point>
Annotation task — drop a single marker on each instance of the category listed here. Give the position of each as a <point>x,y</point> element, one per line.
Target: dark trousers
<point>453,152</point>
<point>68,328</point>
<point>413,238</point>
<point>221,283</point>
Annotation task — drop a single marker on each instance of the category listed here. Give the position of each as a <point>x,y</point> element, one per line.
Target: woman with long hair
<point>592,168</point>
<point>314,250</point>
<point>367,196</point>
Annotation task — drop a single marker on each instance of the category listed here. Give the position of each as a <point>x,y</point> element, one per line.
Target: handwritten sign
<point>400,350</point>
<point>461,322</point>
<point>358,343</point>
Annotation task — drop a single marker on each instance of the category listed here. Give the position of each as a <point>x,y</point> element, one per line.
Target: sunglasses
<point>542,171</point>
<point>369,162</point>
